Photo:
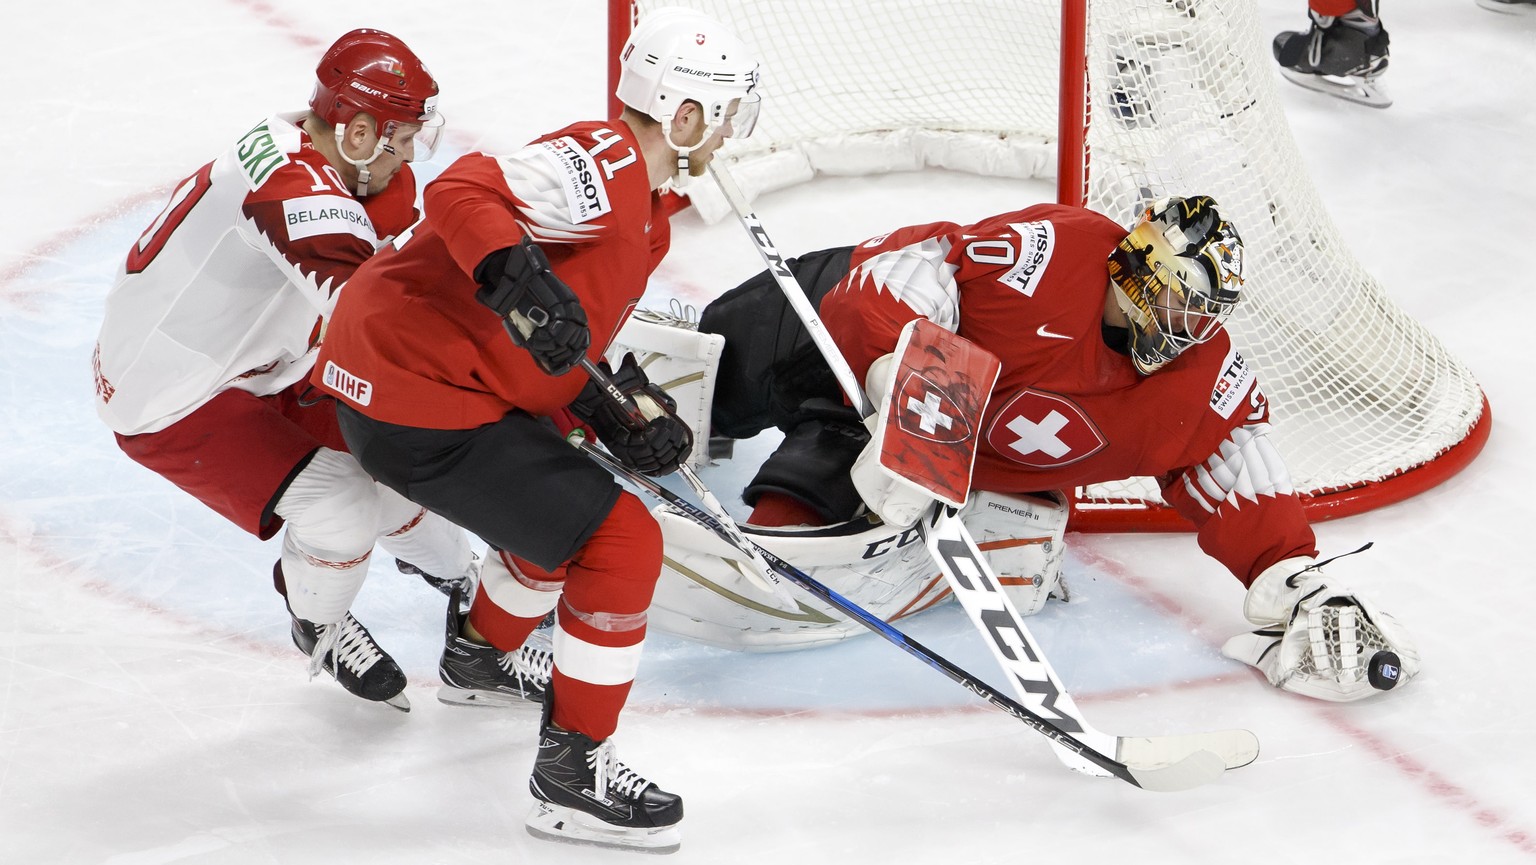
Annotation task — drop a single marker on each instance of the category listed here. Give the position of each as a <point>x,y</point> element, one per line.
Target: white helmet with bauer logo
<point>675,55</point>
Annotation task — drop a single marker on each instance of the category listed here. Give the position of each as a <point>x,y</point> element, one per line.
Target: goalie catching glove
<point>655,447</point>
<point>1319,638</point>
<point>541,313</point>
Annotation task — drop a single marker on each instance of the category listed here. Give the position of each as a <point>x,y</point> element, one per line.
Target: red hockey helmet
<point>372,71</point>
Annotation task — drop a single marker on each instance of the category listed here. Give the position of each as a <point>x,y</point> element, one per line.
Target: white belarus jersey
<point>231,284</point>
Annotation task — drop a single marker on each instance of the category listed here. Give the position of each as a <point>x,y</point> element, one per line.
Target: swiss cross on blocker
<point>943,381</point>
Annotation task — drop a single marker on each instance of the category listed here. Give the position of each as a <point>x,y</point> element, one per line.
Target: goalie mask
<point>677,55</point>
<point>1176,276</point>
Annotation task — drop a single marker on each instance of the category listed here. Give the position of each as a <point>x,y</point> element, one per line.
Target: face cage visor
<point>1167,313</point>
<point>736,118</point>
<point>417,142</point>
<point>1183,309</point>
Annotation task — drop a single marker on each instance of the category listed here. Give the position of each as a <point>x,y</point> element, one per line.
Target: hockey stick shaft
<point>793,293</point>
<point>1189,769</point>
<point>859,613</point>
<point>765,576</point>
<point>1025,663</point>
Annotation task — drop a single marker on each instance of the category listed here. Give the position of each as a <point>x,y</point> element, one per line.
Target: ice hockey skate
<point>586,796</point>
<point>476,674</point>
<point>347,651</point>
<point>1338,58</point>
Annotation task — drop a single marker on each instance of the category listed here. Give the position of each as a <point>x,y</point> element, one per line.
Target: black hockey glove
<point>540,311</point>
<point>655,446</point>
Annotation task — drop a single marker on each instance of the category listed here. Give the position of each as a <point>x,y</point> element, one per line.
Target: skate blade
<point>398,701</point>
<point>484,699</point>
<point>1361,91</point>
<point>569,826</point>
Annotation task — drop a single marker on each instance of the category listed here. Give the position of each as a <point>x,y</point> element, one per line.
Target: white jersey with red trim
<point>230,285</point>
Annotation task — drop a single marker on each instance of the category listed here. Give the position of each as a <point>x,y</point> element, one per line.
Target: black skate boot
<point>365,670</point>
<point>586,796</point>
<point>1338,56</point>
<point>475,674</point>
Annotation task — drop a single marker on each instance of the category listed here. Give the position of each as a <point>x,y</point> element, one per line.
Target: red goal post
<point>1121,102</point>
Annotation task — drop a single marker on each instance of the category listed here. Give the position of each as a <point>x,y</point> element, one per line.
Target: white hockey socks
<point>332,511</point>
<point>422,539</point>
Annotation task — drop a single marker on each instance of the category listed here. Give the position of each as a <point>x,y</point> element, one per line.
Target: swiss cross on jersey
<point>939,395</point>
<point>1043,431</point>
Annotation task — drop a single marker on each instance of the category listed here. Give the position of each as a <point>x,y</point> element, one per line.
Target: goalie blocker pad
<point>703,596</point>
<point>930,395</point>
<point>935,405</point>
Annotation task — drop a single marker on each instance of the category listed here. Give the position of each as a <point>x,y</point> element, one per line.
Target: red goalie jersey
<point>1069,408</point>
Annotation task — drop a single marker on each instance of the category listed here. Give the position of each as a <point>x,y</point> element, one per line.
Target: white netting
<point>1181,101</point>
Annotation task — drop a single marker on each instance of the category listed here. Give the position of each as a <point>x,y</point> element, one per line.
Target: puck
<point>1383,670</point>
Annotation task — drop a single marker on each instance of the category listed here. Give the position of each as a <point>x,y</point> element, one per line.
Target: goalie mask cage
<point>1123,101</point>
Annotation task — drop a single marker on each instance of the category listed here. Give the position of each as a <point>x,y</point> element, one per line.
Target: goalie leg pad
<point>704,596</point>
<point>1022,539</point>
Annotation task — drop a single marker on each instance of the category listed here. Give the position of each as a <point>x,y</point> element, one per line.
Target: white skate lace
<point>677,314</point>
<point>325,640</point>
<point>604,762</point>
<point>1315,43</point>
<point>528,665</point>
<point>353,648</point>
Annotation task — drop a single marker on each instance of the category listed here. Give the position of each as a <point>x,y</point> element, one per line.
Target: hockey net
<point>1121,102</point>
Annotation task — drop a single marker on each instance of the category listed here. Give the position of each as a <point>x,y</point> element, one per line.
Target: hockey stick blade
<point>1181,762</point>
<point>1234,748</point>
<point>1195,770</point>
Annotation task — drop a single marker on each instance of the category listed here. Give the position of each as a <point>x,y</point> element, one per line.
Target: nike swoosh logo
<point>1043,332</point>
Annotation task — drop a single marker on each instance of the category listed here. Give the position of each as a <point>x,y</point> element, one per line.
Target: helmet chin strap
<point>681,176</point>
<point>363,174</point>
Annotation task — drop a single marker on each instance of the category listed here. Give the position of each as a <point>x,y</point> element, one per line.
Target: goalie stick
<point>967,573</point>
<point>1162,764</point>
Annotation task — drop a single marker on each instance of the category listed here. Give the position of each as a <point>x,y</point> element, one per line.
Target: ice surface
<point>153,711</point>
